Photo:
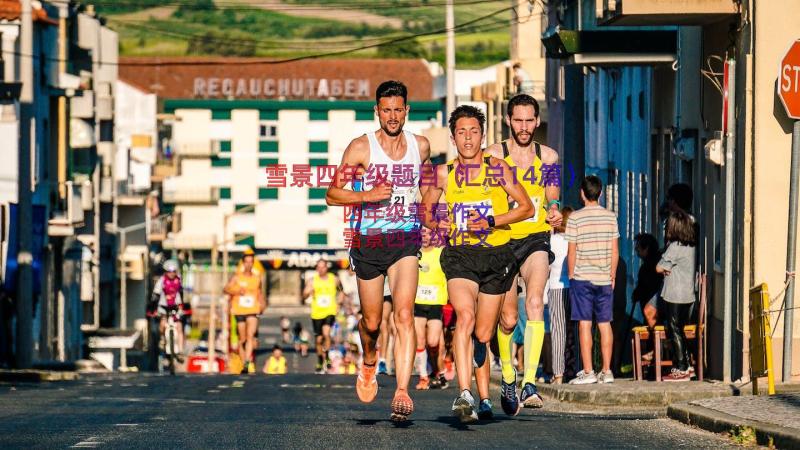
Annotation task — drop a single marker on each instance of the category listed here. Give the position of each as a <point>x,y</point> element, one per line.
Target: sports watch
<point>490,220</point>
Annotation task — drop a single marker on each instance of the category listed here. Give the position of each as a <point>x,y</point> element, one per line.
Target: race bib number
<point>427,293</point>
<point>247,301</point>
<point>403,197</point>
<point>461,215</point>
<point>537,208</point>
<point>323,301</point>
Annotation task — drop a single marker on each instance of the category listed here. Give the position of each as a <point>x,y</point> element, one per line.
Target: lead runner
<point>384,217</point>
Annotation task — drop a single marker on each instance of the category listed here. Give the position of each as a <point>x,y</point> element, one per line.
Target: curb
<point>36,376</point>
<point>718,422</point>
<point>627,397</point>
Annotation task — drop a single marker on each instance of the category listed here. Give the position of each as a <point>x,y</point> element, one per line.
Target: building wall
<point>775,27</point>
<point>253,135</point>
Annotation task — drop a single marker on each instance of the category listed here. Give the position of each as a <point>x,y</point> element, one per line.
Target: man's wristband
<point>550,203</point>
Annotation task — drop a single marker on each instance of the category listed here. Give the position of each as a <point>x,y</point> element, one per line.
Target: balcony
<point>198,149</point>
<point>69,214</point>
<point>159,228</point>
<point>182,241</point>
<point>190,194</point>
<point>663,12</point>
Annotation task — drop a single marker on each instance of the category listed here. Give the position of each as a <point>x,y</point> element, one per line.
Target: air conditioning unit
<point>133,260</point>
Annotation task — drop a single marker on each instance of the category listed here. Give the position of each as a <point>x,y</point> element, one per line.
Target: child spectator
<point>276,363</point>
<point>558,288</point>
<point>593,237</point>
<point>301,339</point>
<point>677,265</point>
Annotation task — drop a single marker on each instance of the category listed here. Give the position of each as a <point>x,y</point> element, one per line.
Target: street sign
<point>789,81</point>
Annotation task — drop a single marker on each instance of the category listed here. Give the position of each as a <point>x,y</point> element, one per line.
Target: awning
<point>611,47</point>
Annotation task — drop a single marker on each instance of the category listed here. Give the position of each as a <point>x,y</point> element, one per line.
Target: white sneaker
<point>584,378</point>
<point>605,377</point>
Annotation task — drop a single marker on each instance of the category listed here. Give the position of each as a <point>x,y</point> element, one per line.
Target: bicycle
<point>170,345</point>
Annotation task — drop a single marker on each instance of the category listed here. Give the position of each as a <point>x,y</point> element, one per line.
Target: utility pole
<point>24,300</point>
<point>450,61</point>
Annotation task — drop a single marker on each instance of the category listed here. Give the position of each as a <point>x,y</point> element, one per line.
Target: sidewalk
<point>629,393</point>
<point>34,375</point>
<point>772,419</point>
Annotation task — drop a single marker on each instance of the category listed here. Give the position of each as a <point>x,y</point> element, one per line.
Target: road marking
<point>223,386</point>
<point>213,391</point>
<point>127,425</point>
<point>317,386</point>
<point>237,384</point>
<point>88,443</point>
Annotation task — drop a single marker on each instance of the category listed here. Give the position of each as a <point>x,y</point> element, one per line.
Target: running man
<point>536,170</point>
<point>478,263</point>
<point>247,302</point>
<point>324,289</point>
<point>431,298</point>
<point>384,168</point>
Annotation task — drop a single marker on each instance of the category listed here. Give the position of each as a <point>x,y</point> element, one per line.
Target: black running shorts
<point>493,268</point>
<point>376,254</point>
<point>536,242</point>
<point>428,312</point>
<point>319,323</point>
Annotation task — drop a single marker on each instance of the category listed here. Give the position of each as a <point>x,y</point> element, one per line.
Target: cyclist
<point>168,295</point>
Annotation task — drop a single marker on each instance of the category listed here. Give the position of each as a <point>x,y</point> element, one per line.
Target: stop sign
<point>789,81</point>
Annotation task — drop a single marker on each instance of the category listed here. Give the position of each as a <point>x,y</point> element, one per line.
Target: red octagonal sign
<point>789,81</point>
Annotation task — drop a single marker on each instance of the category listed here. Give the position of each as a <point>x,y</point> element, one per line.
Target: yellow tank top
<point>463,195</point>
<point>247,304</point>
<point>323,303</point>
<point>531,180</point>
<point>432,287</point>
<point>276,366</point>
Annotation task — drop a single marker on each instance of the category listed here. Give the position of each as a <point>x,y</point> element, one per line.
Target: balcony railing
<point>662,12</point>
<point>182,241</point>
<point>159,228</point>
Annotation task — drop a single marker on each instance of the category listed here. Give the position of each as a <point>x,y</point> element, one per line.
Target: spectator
<point>678,265</point>
<point>285,324</point>
<point>648,280</point>
<point>592,234</point>
<point>557,295</point>
<point>301,338</point>
<point>522,80</point>
<point>276,363</point>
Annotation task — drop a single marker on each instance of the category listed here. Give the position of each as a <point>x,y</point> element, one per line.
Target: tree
<point>403,49</point>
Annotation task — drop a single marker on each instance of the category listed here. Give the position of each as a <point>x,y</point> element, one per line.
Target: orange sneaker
<point>366,384</point>
<point>402,407</point>
<point>423,385</point>
<point>449,370</point>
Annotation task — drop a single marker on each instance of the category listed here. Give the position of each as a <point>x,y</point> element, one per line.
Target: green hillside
<point>293,28</point>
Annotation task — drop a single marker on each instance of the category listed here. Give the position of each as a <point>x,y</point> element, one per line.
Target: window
<point>264,162</point>
<point>317,193</point>
<point>267,131</point>
<point>224,146</point>
<point>318,146</point>
<point>317,238</point>
<point>267,193</point>
<point>268,146</point>
<point>365,115</point>
<point>225,193</point>
<point>318,115</point>
<point>314,162</point>
<point>317,209</point>
<point>217,161</point>
<point>218,114</point>
<point>268,115</point>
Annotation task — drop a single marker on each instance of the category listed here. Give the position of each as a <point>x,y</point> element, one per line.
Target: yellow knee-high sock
<point>534,339</point>
<point>504,344</point>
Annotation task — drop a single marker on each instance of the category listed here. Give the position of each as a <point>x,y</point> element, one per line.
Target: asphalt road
<point>299,410</point>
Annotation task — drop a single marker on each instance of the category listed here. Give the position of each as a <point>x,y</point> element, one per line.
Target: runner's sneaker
<point>485,410</point>
<point>478,352</point>
<point>382,368</point>
<point>443,384</point>
<point>366,384</point>
<point>583,377</point>
<point>424,384</point>
<point>508,396</point>
<point>251,367</point>
<point>529,397</point>
<point>464,407</point>
<point>319,370</point>
<point>678,375</point>
<point>605,377</point>
<point>402,407</point>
